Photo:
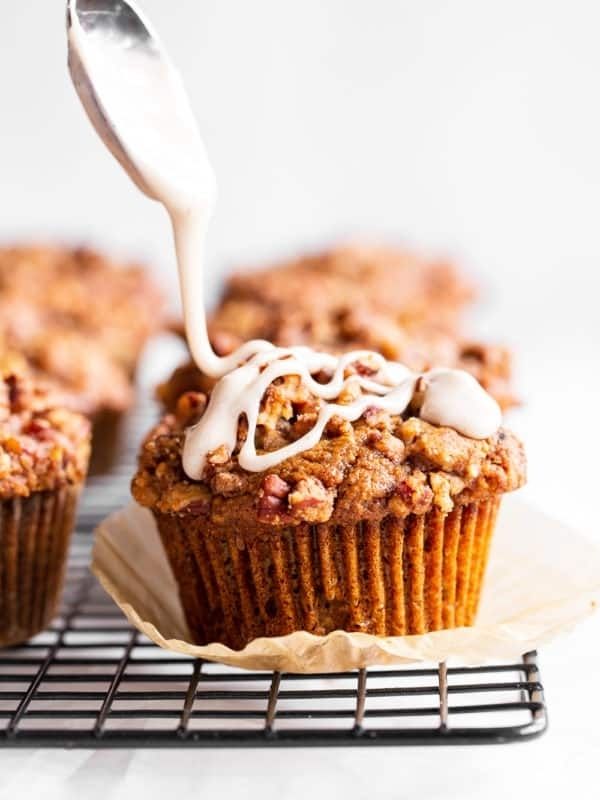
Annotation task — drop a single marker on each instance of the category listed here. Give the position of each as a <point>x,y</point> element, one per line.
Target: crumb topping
<point>379,465</point>
<point>42,444</point>
<point>412,288</point>
<point>79,318</point>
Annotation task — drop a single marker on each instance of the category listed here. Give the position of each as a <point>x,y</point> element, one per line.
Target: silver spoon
<point>136,101</point>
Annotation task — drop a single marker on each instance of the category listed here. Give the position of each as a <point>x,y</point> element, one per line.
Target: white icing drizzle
<point>451,398</point>
<point>154,136</point>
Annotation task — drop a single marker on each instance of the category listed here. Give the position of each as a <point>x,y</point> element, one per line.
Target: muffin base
<point>390,578</point>
<point>34,538</point>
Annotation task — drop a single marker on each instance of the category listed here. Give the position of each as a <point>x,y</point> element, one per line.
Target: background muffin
<point>79,289</point>
<point>405,307</point>
<point>44,451</point>
<point>83,321</point>
<point>383,527</point>
<point>412,289</point>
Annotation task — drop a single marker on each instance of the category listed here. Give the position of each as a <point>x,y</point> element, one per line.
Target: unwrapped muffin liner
<point>35,532</point>
<point>542,579</point>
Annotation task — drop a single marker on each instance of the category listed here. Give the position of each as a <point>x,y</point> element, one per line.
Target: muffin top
<point>419,349</point>
<point>323,285</point>
<point>43,446</point>
<point>79,319</point>
<point>59,289</point>
<point>379,465</point>
<point>78,368</point>
<point>314,299</point>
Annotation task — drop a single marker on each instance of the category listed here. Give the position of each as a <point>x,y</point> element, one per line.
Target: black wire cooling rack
<point>91,680</point>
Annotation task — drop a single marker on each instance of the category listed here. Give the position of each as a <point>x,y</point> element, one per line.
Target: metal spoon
<point>136,101</point>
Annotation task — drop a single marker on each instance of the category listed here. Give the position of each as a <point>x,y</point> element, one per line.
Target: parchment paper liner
<point>542,579</point>
<point>35,532</point>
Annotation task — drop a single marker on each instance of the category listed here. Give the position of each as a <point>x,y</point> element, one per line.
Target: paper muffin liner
<point>34,538</point>
<point>530,596</point>
<point>107,437</point>
<point>398,577</point>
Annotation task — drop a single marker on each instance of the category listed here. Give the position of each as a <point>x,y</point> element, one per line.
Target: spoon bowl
<point>136,101</point>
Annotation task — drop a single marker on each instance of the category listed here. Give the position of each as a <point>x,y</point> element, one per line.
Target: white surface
<point>561,764</point>
<point>468,126</point>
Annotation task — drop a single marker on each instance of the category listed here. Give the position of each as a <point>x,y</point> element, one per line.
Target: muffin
<point>383,527</point>
<point>380,299</point>
<point>314,289</point>
<point>44,451</point>
<point>117,304</point>
<point>308,299</point>
<point>82,320</point>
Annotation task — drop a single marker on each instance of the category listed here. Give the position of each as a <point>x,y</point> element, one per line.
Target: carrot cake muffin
<point>44,451</point>
<point>383,526</point>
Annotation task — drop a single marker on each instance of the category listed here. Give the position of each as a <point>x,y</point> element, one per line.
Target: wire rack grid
<point>92,680</point>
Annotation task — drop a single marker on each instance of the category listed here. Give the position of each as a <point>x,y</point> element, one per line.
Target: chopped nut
<point>311,501</point>
<point>411,495</point>
<point>386,444</point>
<point>190,406</point>
<point>349,393</point>
<point>303,424</point>
<point>191,497</point>
<point>367,366</point>
<point>219,456</point>
<point>199,508</point>
<point>375,417</point>
<point>273,510</point>
<point>444,487</point>
<point>282,401</point>
<point>337,427</point>
<point>229,484</point>
<point>275,486</point>
<point>272,500</point>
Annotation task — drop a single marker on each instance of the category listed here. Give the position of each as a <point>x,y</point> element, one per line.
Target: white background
<point>466,127</point>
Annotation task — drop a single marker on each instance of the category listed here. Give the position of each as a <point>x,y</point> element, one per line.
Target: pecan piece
<point>272,500</point>
<point>445,487</point>
<point>411,496</point>
<point>228,484</point>
<point>275,486</point>
<point>190,406</point>
<point>311,501</point>
<point>366,369</point>
<point>375,417</point>
<point>219,456</point>
<point>389,446</point>
<point>190,498</point>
